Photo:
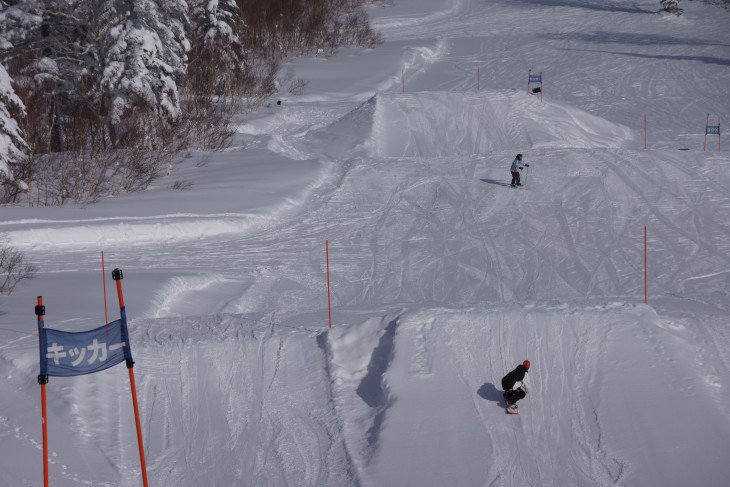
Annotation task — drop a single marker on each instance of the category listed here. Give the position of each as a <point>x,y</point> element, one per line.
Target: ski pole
<point>526,171</point>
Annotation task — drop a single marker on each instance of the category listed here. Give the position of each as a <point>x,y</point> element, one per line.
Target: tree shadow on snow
<point>590,5</point>
<point>633,38</point>
<point>489,392</point>
<point>702,59</point>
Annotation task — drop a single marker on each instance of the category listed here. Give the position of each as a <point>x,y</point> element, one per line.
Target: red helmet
<point>526,363</point>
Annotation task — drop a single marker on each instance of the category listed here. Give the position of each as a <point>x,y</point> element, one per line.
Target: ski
<point>502,183</point>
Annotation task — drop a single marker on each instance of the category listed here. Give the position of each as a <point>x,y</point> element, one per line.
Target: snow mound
<point>352,405</point>
<point>346,135</point>
<point>605,379</point>
<point>360,356</point>
<point>439,124</point>
<point>220,387</point>
<point>120,231</point>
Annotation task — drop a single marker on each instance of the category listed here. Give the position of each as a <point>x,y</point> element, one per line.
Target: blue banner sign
<point>65,354</point>
<point>535,78</point>
<point>712,130</point>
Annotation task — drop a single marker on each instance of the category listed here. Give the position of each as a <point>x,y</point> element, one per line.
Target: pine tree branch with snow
<point>671,6</point>
<point>12,144</point>
<point>145,58</point>
<point>13,147</point>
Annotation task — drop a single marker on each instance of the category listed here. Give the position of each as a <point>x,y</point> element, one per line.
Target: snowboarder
<point>515,170</point>
<point>516,385</point>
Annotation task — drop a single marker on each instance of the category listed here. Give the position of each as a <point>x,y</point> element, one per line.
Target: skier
<point>515,170</point>
<point>516,385</point>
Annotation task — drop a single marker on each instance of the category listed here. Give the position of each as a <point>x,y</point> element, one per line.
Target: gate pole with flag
<point>646,273</point>
<point>40,311</point>
<point>118,276</point>
<point>329,301</point>
<point>534,78</point>
<point>712,130</point>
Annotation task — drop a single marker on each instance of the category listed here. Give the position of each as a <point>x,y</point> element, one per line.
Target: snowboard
<point>511,409</point>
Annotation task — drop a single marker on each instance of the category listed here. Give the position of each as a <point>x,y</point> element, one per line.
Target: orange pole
<point>40,311</point>
<point>44,413</point>
<point>139,427</point>
<point>329,301</point>
<point>117,275</point>
<point>103,279</point>
<point>646,278</point>
<point>120,295</point>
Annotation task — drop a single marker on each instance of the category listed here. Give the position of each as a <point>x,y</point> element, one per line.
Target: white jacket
<point>525,384</point>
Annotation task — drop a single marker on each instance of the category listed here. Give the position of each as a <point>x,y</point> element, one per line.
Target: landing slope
<point>442,278</point>
<point>432,124</point>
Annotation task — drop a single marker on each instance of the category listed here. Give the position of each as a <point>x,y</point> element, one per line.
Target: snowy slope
<point>405,125</point>
<point>443,279</point>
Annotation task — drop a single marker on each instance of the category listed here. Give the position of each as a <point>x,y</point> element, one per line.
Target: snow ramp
<point>442,124</point>
<point>613,391</point>
<point>234,400</point>
<point>405,398</point>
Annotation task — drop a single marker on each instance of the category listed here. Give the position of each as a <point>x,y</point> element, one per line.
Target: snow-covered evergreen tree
<point>56,71</point>
<point>145,56</point>
<point>12,144</point>
<point>17,19</point>
<point>671,6</point>
<point>213,20</point>
<point>218,57</point>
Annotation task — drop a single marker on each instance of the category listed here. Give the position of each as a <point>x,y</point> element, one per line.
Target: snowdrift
<point>442,278</point>
<point>434,124</point>
<point>250,401</point>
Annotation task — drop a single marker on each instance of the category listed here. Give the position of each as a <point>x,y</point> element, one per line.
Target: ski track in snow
<point>448,225</point>
<point>417,217</point>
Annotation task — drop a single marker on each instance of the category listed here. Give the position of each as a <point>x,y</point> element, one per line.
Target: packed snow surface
<point>396,161</point>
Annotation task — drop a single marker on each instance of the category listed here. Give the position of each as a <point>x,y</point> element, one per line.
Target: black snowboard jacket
<point>517,375</point>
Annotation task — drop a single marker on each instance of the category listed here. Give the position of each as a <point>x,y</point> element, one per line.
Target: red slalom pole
<point>103,280</point>
<point>646,278</point>
<point>40,311</point>
<point>707,122</point>
<point>329,301</point>
<point>117,276</point>
<point>44,413</point>
<point>139,428</point>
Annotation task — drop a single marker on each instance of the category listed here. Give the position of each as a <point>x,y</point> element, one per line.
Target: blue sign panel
<point>535,78</point>
<point>67,353</point>
<point>713,130</point>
